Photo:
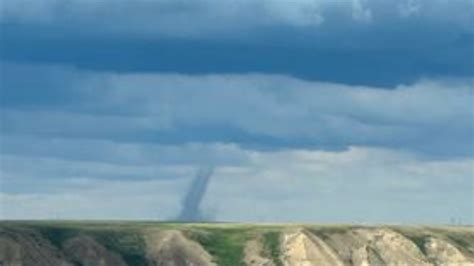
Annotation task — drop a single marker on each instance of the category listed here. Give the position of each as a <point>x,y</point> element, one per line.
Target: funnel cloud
<point>190,211</point>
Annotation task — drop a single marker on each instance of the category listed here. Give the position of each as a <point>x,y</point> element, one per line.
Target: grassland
<point>224,242</point>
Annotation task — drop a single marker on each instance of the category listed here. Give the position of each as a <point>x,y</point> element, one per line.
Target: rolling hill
<point>52,243</point>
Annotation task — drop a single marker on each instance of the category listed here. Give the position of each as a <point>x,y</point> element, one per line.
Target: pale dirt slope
<point>254,254</point>
<point>441,252</point>
<point>299,248</point>
<point>171,248</point>
<point>371,246</point>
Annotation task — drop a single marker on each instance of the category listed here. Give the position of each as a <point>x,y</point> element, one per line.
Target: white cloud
<point>409,8</point>
<point>360,11</point>
<point>155,199</point>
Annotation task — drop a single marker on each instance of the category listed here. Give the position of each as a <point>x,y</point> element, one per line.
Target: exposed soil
<point>171,248</point>
<point>254,254</point>
<point>441,252</point>
<point>300,248</point>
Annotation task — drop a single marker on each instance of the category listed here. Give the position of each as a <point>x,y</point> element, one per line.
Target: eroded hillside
<point>166,244</point>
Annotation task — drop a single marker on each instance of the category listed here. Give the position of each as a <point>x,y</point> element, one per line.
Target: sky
<point>318,111</point>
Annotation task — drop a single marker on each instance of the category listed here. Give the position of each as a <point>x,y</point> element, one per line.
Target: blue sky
<point>308,110</point>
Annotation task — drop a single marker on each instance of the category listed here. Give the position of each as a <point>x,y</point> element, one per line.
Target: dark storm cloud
<point>261,112</point>
<point>299,104</point>
<point>381,43</point>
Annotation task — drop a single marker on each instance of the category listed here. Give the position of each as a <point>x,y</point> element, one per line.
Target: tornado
<point>190,210</point>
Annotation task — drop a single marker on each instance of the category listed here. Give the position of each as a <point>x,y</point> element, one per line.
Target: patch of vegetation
<point>224,244</point>
<point>325,232</point>
<point>271,243</point>
<point>416,235</point>
<point>57,235</point>
<point>374,256</point>
<point>128,244</point>
<point>464,242</point>
<point>419,241</point>
<point>123,241</point>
